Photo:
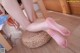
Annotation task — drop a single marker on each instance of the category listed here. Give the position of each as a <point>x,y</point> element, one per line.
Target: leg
<point>55,26</point>
<point>28,5</point>
<point>13,8</point>
<point>48,24</point>
<point>59,39</point>
<point>38,25</point>
<point>34,27</point>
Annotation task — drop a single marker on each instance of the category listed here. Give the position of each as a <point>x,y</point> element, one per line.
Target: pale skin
<point>48,25</point>
<point>13,8</point>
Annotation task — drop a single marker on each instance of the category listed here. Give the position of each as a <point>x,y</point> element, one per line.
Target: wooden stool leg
<point>64,6</point>
<point>42,8</point>
<point>5,43</point>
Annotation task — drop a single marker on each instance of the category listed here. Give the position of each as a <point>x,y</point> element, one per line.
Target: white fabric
<point>1,26</point>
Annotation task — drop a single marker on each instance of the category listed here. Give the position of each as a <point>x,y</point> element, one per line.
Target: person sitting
<point>31,24</point>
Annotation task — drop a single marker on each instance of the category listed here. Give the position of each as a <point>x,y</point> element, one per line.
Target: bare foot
<point>55,26</point>
<point>59,39</point>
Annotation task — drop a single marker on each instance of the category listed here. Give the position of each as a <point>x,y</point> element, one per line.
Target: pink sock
<point>59,39</point>
<point>55,26</point>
